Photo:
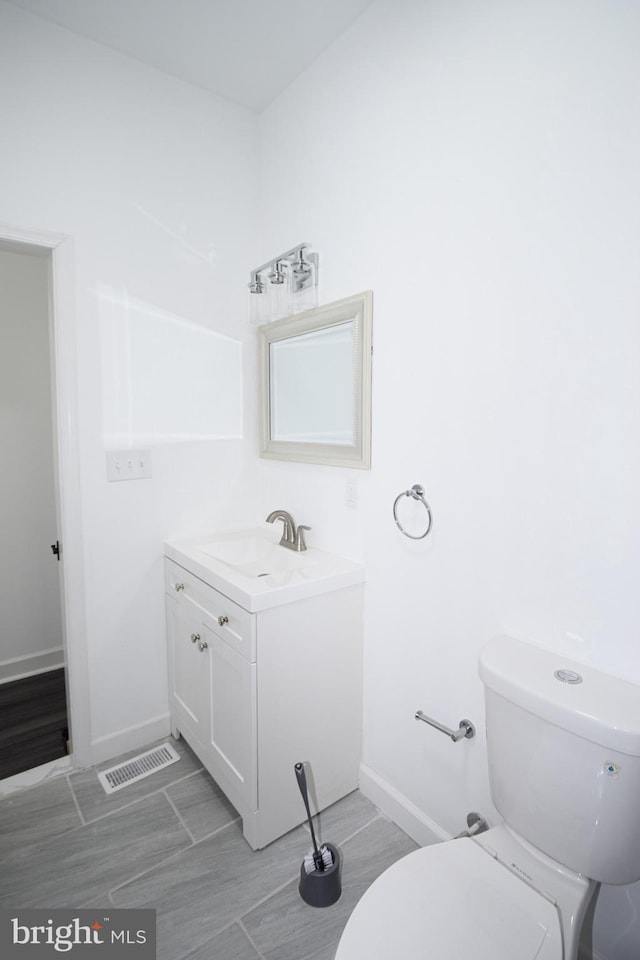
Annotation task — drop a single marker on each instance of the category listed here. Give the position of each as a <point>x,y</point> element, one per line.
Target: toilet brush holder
<point>321,888</point>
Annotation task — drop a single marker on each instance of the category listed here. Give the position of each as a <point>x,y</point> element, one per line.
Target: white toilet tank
<point>563,745</point>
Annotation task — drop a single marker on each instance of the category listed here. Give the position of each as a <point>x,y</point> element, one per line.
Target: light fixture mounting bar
<point>290,255</point>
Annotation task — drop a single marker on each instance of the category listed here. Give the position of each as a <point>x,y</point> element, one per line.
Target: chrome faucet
<point>292,536</point>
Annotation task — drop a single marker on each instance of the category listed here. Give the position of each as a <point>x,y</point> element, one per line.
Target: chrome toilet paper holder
<point>465,731</point>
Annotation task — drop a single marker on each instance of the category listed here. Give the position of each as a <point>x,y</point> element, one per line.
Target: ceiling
<point>245,50</point>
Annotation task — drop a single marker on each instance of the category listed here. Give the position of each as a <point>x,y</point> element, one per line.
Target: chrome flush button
<point>568,676</point>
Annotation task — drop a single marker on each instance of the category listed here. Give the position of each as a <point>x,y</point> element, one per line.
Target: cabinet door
<point>232,720</point>
<point>188,682</point>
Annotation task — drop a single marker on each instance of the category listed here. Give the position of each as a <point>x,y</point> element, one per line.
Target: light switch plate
<point>128,465</point>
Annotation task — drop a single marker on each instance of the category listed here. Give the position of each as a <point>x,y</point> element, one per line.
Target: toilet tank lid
<point>597,706</point>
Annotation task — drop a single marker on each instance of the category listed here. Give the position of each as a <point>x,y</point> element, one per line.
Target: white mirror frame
<point>359,310</point>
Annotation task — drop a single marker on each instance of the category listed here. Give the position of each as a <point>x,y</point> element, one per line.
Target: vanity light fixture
<point>277,273</point>
<point>256,285</point>
<point>293,275</point>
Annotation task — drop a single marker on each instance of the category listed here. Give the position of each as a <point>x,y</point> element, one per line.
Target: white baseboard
<point>398,808</point>
<point>115,744</point>
<point>33,663</point>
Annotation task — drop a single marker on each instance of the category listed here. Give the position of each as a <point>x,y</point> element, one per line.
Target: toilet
<point>563,747</point>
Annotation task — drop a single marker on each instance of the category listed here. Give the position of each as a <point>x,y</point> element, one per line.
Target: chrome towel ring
<point>417,492</point>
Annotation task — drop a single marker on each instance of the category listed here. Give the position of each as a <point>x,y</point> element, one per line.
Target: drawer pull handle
<point>222,621</point>
<point>194,637</point>
<point>202,646</point>
<point>178,587</point>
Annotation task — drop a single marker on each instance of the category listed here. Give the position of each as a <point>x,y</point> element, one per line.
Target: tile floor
<point>173,842</point>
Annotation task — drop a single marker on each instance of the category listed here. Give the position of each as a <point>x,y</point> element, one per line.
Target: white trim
<point>115,744</point>
<point>398,808</point>
<point>31,664</point>
<point>68,476</point>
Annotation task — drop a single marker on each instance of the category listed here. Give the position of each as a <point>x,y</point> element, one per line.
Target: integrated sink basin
<point>257,557</point>
<point>250,566</point>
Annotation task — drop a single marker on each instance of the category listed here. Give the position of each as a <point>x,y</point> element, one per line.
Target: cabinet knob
<point>223,620</point>
<point>194,637</point>
<point>202,646</point>
<point>178,587</point>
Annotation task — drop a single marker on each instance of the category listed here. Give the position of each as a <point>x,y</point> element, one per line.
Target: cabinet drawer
<point>228,620</point>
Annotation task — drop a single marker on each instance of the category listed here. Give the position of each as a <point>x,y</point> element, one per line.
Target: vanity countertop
<point>252,569</point>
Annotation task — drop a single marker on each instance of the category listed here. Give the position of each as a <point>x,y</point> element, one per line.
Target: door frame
<point>64,401</point>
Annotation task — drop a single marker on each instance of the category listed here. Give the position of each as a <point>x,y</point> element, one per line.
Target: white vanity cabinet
<point>212,673</point>
<point>253,693</point>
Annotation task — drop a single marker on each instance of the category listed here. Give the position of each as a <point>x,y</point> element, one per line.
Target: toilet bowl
<point>462,900</point>
<point>563,746</point>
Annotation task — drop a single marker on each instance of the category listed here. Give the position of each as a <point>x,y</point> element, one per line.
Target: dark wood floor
<point>33,722</point>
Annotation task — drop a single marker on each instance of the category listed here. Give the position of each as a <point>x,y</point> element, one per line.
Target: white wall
<point>475,164</point>
<point>30,624</point>
<point>154,180</point>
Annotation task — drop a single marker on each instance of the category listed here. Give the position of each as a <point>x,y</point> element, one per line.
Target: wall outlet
<point>128,465</point>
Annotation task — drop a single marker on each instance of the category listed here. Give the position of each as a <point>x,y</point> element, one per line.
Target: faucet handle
<point>300,541</point>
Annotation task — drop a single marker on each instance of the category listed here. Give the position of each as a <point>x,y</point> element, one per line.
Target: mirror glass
<point>301,408</point>
<point>316,384</point>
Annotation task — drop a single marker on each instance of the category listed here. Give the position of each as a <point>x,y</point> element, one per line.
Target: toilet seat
<point>451,901</point>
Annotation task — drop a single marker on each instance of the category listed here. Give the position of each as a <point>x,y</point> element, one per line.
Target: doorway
<point>33,715</point>
<point>43,634</point>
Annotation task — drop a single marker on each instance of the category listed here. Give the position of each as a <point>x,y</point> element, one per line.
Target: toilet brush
<point>317,859</point>
<point>320,884</point>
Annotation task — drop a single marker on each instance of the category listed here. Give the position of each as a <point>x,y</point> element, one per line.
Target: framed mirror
<point>315,390</point>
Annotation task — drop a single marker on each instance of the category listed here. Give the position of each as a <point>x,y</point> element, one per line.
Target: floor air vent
<point>137,768</point>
